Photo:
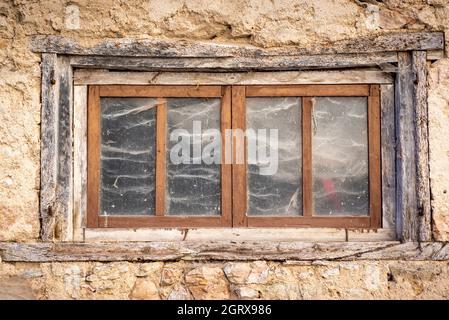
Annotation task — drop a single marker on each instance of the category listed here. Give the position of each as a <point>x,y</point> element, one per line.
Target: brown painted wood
<point>161,137</point>
<point>245,63</point>
<point>226,166</point>
<point>315,221</point>
<point>239,182</point>
<point>375,191</point>
<point>93,156</point>
<point>160,91</point>
<point>233,177</point>
<point>308,90</point>
<point>159,221</point>
<point>307,181</point>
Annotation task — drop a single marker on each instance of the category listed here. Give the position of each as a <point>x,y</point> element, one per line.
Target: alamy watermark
<point>200,146</point>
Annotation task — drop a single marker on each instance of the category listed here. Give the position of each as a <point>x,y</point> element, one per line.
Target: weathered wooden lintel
<point>390,42</point>
<point>228,64</point>
<point>222,251</point>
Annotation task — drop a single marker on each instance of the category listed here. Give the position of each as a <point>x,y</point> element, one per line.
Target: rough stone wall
<point>237,280</point>
<point>263,23</point>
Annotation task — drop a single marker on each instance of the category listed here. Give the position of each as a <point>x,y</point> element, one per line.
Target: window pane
<point>128,128</point>
<point>279,191</point>
<point>193,183</point>
<point>340,156</point>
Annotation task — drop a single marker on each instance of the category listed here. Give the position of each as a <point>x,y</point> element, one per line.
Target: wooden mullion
<point>375,198</point>
<point>239,188</point>
<point>307,181</point>
<point>93,156</point>
<point>161,138</point>
<point>226,168</point>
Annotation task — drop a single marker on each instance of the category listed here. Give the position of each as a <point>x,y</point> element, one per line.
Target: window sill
<point>288,252</point>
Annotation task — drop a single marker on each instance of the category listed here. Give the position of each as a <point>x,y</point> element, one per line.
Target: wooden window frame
<point>160,219</point>
<point>233,177</point>
<point>307,92</point>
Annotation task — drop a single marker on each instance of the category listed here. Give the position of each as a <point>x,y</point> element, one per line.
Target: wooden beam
<point>388,156</point>
<point>223,251</point>
<point>422,146</point>
<point>56,160</point>
<point>412,158</point>
<point>222,64</point>
<point>406,203</point>
<point>374,150</point>
<point>48,146</point>
<point>357,76</point>
<point>399,41</point>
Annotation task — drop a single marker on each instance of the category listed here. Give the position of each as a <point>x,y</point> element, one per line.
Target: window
<point>161,156</point>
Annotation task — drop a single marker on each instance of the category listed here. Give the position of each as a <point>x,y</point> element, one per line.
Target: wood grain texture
<point>218,64</point>
<point>399,41</point>
<point>406,202</point>
<point>161,155</point>
<point>388,156</point>
<point>422,146</point>
<point>223,251</point>
<point>93,156</point>
<point>64,158</point>
<point>412,162</point>
<point>49,136</point>
<point>356,76</point>
<point>307,179</point>
<point>226,166</point>
<point>239,182</point>
<point>79,160</point>
<point>56,153</point>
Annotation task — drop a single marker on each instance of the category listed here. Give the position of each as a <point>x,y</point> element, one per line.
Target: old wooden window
<point>396,62</point>
<point>328,156</point>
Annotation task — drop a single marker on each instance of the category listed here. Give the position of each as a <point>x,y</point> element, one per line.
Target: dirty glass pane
<point>128,127</point>
<point>340,156</point>
<point>193,156</point>
<point>274,181</point>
